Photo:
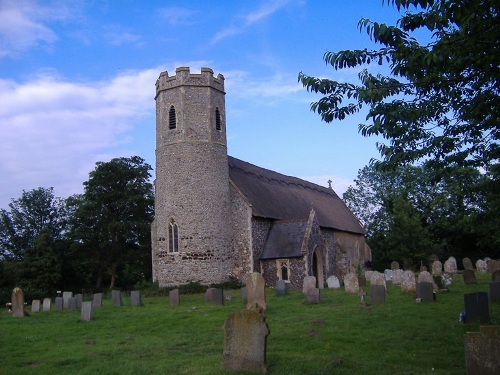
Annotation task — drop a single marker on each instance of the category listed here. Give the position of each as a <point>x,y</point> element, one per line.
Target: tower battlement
<point>183,77</point>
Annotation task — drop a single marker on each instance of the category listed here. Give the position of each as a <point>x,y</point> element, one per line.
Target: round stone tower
<point>190,234</point>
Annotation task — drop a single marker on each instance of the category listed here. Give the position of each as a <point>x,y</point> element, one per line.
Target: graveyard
<point>339,335</point>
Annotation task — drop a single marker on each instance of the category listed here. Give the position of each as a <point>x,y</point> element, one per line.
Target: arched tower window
<point>217,119</point>
<point>173,237</point>
<point>172,123</point>
<point>283,266</point>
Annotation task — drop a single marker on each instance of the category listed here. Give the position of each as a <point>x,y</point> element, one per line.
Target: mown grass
<point>335,337</point>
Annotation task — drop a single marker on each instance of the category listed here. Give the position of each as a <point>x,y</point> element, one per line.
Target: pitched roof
<point>284,240</point>
<point>275,196</point>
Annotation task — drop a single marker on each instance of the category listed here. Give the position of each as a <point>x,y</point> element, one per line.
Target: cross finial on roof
<point>329,183</point>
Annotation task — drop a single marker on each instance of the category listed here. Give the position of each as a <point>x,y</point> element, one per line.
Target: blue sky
<point>77,83</point>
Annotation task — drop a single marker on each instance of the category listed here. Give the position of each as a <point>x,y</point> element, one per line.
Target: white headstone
<point>333,282</point>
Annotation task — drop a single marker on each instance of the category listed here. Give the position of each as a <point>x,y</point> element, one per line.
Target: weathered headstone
<point>394,265</point>
<point>66,296</point>
<point>72,303</point>
<point>244,296</point>
<point>208,294</point>
<point>309,282</point>
<point>481,351</point>
<point>425,277</point>
<point>281,288</point>
<point>46,304</point>
<point>495,276</point>
<point>493,266</point>
<point>476,307</point>
<point>378,279</point>
<point>425,292</point>
<point>312,295</point>
<point>245,334</point>
<point>217,296</point>
<point>450,266</point>
<point>135,298</point>
<point>481,266</point>
<point>17,303</point>
<point>79,300</point>
<point>59,303</point>
<point>97,300</point>
<point>351,283</point>
<point>388,275</point>
<point>437,268</point>
<point>469,276</point>
<point>174,297</point>
<point>377,293</point>
<point>397,276</point>
<point>333,282</point>
<point>86,312</point>
<point>256,290</point>
<point>368,274</point>
<point>408,283</point>
<point>495,291</point>
<point>467,263</point>
<point>116,298</point>
<point>35,306</point>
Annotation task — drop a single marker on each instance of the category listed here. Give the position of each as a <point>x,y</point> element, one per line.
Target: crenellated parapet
<point>183,77</point>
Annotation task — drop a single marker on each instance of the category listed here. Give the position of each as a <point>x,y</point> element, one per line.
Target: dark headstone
<point>135,298</point>
<point>97,300</point>
<point>116,298</point>
<point>424,292</point>
<point>495,276</point>
<point>35,306</point>
<point>495,291</point>
<point>244,298</point>
<point>17,303</point>
<point>312,296</point>
<point>86,312</point>
<point>476,307</point>
<point>469,276</point>
<point>281,288</point>
<point>173,296</point>
<point>481,351</point>
<point>394,265</point>
<point>59,303</point>
<point>245,335</point>
<point>208,294</point>
<point>72,303</point>
<point>79,300</point>
<point>377,294</point>
<point>467,263</point>
<point>217,296</point>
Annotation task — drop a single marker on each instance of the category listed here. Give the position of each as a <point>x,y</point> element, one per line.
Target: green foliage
<point>440,103</point>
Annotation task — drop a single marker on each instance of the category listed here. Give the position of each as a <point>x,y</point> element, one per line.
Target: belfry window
<point>173,237</point>
<point>283,266</point>
<point>218,121</point>
<point>172,122</point>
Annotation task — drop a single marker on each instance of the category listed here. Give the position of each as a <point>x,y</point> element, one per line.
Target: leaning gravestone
<point>469,277</point>
<point>281,289</point>
<point>476,307</point>
<point>450,266</point>
<point>86,312</point>
<point>397,277</point>
<point>256,290</point>
<point>245,334</point>
<point>333,282</point>
<point>351,284</point>
<point>437,268</point>
<point>495,291</point>
<point>46,304</point>
<point>35,306</point>
<point>309,282</point>
<point>17,303</point>
<point>481,266</point>
<point>377,293</point>
<point>467,263</point>
<point>59,304</point>
<point>173,297</point>
<point>481,351</point>
<point>97,300</point>
<point>408,282</point>
<point>135,298</point>
<point>425,292</point>
<point>116,298</point>
<point>394,265</point>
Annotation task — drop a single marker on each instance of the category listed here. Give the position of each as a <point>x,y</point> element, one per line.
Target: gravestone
<point>72,303</point>
<point>437,268</point>
<point>46,304</point>
<point>388,275</point>
<point>425,292</point>
<point>245,334</point>
<point>425,277</point>
<point>17,303</point>
<point>79,300</point>
<point>116,298</point>
<point>397,276</point>
<point>97,300</point>
<point>59,303</point>
<point>351,283</point>
<point>66,296</point>
<point>256,290</point>
<point>135,298</point>
<point>476,307</point>
<point>368,274</point>
<point>35,306</point>
<point>312,296</point>
<point>493,266</point>
<point>208,294</point>
<point>244,297</point>
<point>378,279</point>
<point>481,351</point>
<point>217,296</point>
<point>450,266</point>
<point>309,282</point>
<point>394,265</point>
<point>467,263</point>
<point>86,312</point>
<point>333,282</point>
<point>281,289</point>
<point>495,276</point>
<point>481,266</point>
<point>377,293</point>
<point>495,291</point>
<point>408,282</point>
<point>174,297</point>
<point>469,277</point>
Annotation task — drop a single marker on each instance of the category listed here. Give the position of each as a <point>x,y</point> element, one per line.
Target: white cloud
<point>175,16</point>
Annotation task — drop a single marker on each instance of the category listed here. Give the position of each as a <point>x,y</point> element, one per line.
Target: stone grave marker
<point>333,282</point>
<point>450,266</point>
<point>59,304</point>
<point>437,268</point>
<point>481,266</point>
<point>97,300</point>
<point>46,304</point>
<point>493,266</point>
<point>425,277</point>
<point>481,351</point>
<point>245,334</point>
<point>312,296</point>
<point>388,275</point>
<point>72,303</point>
<point>116,298</point>
<point>378,279</point>
<point>467,263</point>
<point>377,294</point>
<point>476,307</point>
<point>135,298</point>
<point>281,289</point>
<point>394,265</point>
<point>397,276</point>
<point>86,312</point>
<point>469,276</point>
<point>309,282</point>
<point>66,296</point>
<point>425,292</point>
<point>495,276</point>
<point>174,297</point>
<point>368,274</point>
<point>217,296</point>
<point>256,288</point>
<point>495,291</point>
<point>408,283</point>
<point>35,306</point>
<point>79,300</point>
<point>17,303</point>
<point>351,283</point>
<point>243,293</point>
<point>208,294</point>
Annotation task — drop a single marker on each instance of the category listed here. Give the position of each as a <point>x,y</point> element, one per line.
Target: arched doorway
<point>317,268</point>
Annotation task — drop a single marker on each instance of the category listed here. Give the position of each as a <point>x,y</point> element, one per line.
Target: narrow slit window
<point>172,122</point>
<point>218,121</point>
<point>173,237</point>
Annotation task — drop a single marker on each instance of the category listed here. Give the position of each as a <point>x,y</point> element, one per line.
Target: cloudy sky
<point>77,83</point>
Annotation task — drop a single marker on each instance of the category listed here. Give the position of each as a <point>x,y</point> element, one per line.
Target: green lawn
<point>335,337</point>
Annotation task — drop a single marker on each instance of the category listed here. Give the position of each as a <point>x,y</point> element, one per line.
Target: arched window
<point>218,121</point>
<point>173,237</point>
<point>172,122</point>
<point>283,266</point>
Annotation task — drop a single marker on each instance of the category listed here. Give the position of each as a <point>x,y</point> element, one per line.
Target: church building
<point>218,217</point>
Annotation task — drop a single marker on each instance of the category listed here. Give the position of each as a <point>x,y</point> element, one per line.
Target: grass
<point>335,337</point>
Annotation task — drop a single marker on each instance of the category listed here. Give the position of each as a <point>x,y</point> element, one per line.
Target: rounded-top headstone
<point>378,279</point>
<point>351,283</point>
<point>450,266</point>
<point>481,266</point>
<point>425,277</point>
<point>437,268</point>
<point>408,282</point>
<point>333,282</point>
<point>17,303</point>
<point>467,263</point>
<point>394,265</point>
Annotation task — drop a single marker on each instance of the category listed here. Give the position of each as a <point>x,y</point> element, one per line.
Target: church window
<point>173,237</point>
<point>283,266</point>
<point>218,121</point>
<point>172,121</point>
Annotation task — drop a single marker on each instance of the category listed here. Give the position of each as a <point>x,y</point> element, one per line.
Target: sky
<point>77,83</point>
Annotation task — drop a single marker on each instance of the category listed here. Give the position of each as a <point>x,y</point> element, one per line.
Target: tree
<point>113,217</point>
<point>440,102</point>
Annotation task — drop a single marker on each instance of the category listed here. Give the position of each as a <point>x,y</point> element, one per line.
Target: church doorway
<point>317,268</point>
